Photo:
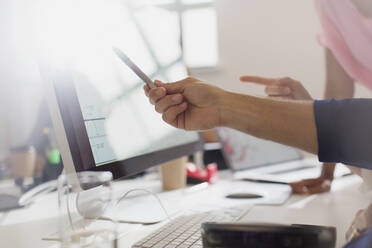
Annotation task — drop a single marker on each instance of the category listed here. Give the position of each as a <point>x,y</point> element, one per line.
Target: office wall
<point>258,37</point>
<point>5,71</point>
<point>269,38</point>
<point>20,86</point>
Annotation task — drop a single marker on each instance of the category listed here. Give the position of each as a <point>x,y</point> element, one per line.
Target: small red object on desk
<point>196,175</point>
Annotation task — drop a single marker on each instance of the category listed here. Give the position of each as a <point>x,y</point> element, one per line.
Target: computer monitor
<point>102,118</point>
<point>125,137</point>
<point>245,152</point>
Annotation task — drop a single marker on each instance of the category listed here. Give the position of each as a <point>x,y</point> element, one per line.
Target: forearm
<point>328,170</point>
<point>338,90</point>
<point>287,122</point>
<point>339,85</point>
<point>341,130</point>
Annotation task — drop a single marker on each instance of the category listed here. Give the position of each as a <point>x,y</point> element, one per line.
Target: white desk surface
<point>24,228</point>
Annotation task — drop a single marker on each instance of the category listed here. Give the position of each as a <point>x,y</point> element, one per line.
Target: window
<point>197,29</point>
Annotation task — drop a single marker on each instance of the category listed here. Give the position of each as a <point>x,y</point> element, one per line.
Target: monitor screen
<point>108,120</point>
<point>247,152</point>
<point>128,126</point>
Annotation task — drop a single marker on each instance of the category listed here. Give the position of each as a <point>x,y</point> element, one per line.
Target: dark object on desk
<point>235,235</point>
<point>8,202</point>
<point>244,195</point>
<point>264,181</point>
<point>218,157</point>
<point>185,231</point>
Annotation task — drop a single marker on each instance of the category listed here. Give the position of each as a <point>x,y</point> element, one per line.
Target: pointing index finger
<point>258,80</point>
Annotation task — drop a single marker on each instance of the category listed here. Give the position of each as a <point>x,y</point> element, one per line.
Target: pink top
<point>348,34</point>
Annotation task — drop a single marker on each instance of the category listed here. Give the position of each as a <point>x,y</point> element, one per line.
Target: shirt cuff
<point>326,131</point>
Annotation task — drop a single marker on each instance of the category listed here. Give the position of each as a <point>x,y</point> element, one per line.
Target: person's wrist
<point>327,171</point>
<point>224,106</point>
<point>327,176</point>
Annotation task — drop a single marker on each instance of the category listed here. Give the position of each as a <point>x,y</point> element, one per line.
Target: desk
<point>336,208</point>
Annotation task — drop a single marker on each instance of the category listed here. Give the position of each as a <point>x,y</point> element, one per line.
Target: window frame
<point>180,7</point>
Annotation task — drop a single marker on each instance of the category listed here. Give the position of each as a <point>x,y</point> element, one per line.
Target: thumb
<point>172,88</point>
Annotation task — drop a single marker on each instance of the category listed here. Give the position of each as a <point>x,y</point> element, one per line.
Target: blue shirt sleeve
<point>363,241</point>
<point>344,129</point>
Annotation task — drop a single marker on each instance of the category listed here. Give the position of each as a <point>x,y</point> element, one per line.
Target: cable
<point>139,222</point>
<point>38,191</point>
<point>149,192</point>
<point>68,210</point>
<point>81,213</point>
<point>85,232</point>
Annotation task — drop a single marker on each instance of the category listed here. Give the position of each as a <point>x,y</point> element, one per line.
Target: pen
<point>263,181</point>
<point>347,174</point>
<point>134,67</point>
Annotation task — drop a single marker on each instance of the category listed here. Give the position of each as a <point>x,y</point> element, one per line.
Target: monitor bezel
<point>78,141</point>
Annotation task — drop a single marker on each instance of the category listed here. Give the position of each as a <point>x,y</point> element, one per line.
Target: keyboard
<point>185,231</point>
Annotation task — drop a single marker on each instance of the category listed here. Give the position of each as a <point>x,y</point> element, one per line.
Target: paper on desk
<point>147,209</point>
<point>273,194</point>
<point>292,176</point>
<point>122,229</point>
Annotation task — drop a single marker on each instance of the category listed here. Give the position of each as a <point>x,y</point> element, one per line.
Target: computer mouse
<point>243,195</point>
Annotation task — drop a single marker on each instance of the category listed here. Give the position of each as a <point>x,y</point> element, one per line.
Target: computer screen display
<point>247,152</point>
<point>105,111</point>
<point>120,121</point>
<point>128,126</point>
